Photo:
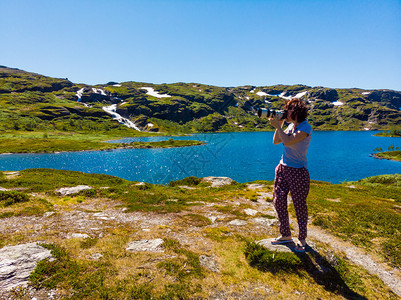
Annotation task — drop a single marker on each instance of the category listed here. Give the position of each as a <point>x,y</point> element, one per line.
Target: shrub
<point>389,179</point>
<point>190,181</point>
<point>12,197</point>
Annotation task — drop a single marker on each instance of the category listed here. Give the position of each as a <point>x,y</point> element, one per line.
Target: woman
<point>292,172</point>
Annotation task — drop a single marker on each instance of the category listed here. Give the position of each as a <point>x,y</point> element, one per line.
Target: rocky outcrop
<point>18,262</point>
<point>324,94</point>
<point>89,95</point>
<point>391,99</point>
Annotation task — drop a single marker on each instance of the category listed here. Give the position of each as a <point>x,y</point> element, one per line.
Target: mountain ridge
<point>34,101</point>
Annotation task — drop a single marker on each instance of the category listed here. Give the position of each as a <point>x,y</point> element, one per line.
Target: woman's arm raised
<point>276,138</point>
<point>281,137</point>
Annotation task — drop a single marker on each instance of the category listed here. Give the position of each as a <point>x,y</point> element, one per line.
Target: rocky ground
<point>102,219</point>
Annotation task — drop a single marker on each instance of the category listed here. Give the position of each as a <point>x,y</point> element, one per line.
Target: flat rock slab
<point>155,245</point>
<point>218,181</point>
<point>255,186</point>
<point>250,212</point>
<point>209,263</point>
<point>238,222</point>
<point>287,247</point>
<point>72,190</point>
<point>78,236</point>
<point>18,262</point>
<point>265,221</point>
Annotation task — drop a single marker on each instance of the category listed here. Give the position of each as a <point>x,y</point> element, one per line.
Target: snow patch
<point>337,103</point>
<point>117,85</point>
<point>285,97</point>
<point>260,93</point>
<point>152,92</point>
<point>300,95</point>
<point>366,93</point>
<point>99,91</point>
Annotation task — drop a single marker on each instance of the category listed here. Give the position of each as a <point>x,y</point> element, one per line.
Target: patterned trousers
<point>296,181</point>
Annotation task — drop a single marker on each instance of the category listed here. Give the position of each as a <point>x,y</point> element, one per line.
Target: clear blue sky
<point>338,44</point>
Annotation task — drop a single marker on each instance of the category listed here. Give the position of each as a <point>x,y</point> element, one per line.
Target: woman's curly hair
<point>297,109</point>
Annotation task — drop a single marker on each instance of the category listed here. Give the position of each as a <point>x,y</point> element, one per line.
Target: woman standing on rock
<point>292,174</point>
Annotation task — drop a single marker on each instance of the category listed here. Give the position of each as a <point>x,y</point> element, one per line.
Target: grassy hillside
<point>33,102</point>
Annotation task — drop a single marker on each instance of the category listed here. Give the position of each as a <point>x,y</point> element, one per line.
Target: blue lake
<point>246,156</point>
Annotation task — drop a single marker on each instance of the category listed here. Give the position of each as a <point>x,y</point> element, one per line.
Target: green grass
<point>271,261</point>
<point>367,215</point>
<point>337,275</point>
<point>48,180</point>
<point>92,280</point>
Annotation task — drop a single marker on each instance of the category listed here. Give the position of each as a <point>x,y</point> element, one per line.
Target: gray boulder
<point>73,190</point>
<point>18,262</point>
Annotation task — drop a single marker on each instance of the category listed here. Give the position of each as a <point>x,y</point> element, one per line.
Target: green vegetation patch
<point>393,155</point>
<point>271,261</point>
<point>188,181</point>
<point>45,180</point>
<point>366,213</point>
<point>44,145</point>
<point>37,142</point>
<point>99,279</point>
<point>84,279</point>
<point>8,198</point>
<point>387,180</point>
<point>390,133</point>
<point>336,275</point>
<point>196,220</point>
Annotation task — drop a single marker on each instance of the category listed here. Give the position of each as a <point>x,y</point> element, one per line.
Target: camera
<point>266,113</point>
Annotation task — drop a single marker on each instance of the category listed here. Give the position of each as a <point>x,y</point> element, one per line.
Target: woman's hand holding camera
<point>276,123</point>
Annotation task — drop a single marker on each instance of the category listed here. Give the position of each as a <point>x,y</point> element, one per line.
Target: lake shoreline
<point>200,143</point>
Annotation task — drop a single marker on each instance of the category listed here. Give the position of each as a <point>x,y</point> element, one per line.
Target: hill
<point>33,102</point>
